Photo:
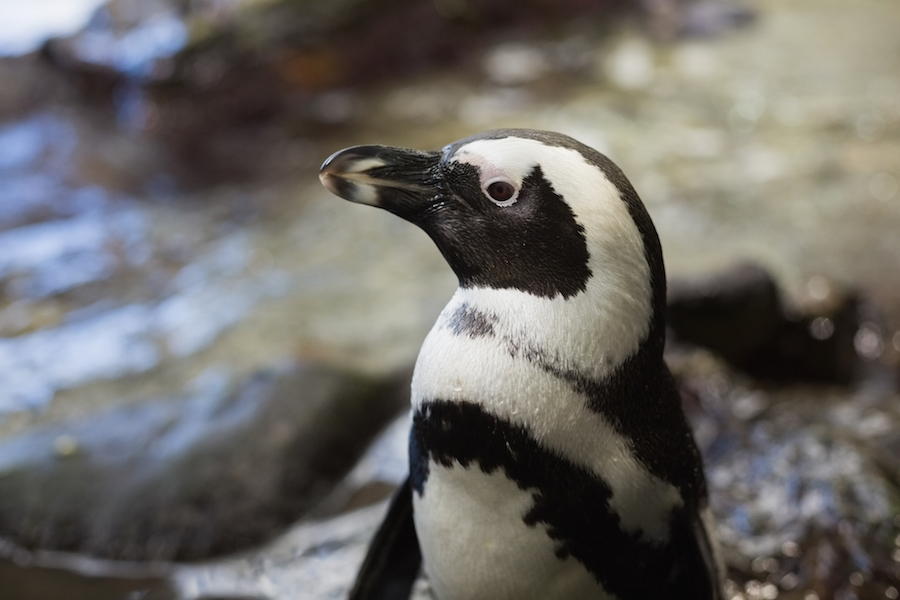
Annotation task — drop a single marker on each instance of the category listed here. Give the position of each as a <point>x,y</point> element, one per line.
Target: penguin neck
<point>591,333</point>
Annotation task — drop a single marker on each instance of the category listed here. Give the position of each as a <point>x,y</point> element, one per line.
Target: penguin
<point>550,458</point>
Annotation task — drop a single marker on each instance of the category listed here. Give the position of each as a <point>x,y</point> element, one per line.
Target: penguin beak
<point>401,181</point>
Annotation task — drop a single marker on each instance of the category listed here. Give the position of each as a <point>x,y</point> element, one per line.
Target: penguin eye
<point>501,191</point>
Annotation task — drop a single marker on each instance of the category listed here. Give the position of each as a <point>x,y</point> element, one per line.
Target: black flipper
<point>393,560</point>
<point>697,575</point>
<point>709,553</point>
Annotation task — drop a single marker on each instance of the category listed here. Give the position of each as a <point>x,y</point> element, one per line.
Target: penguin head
<point>529,211</point>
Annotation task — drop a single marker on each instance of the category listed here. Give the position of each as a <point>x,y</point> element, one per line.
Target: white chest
<point>476,547</point>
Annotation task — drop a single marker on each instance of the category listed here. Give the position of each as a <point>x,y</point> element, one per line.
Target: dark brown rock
<point>740,315</point>
<point>211,472</point>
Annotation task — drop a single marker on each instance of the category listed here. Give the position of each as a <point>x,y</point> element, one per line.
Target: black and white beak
<point>404,182</point>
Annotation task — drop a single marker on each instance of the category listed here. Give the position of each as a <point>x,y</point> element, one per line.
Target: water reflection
<point>105,342</point>
<point>50,258</point>
<point>25,24</point>
<point>134,52</point>
<point>34,163</point>
<point>33,367</point>
<point>58,238</point>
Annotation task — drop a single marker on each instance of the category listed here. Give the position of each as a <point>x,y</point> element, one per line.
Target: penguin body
<point>549,455</point>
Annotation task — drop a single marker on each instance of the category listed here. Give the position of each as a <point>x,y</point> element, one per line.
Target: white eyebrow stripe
<point>488,170</point>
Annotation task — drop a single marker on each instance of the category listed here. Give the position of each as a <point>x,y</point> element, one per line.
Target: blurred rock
<point>740,315</point>
<point>804,482</point>
<point>221,84</point>
<point>734,312</point>
<point>216,469</point>
<point>318,556</point>
<point>316,559</point>
<point>312,561</point>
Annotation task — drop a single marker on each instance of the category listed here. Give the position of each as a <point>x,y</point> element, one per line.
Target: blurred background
<point>198,343</point>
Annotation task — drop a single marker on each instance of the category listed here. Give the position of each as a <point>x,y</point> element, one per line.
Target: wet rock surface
<point>741,316</point>
<point>804,481</point>
<point>221,468</point>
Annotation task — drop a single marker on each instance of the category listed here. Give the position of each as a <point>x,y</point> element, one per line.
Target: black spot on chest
<point>471,321</point>
<point>535,245</point>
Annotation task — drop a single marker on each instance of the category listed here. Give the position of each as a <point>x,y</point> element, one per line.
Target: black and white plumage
<point>549,454</point>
